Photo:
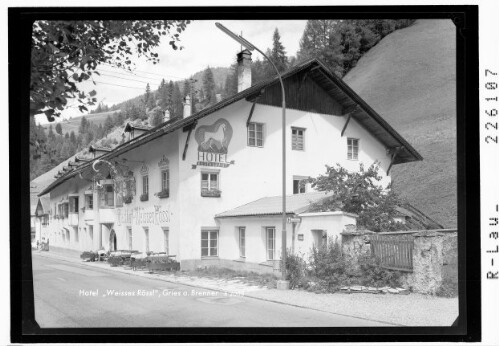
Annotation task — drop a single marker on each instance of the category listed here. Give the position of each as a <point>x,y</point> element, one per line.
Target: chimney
<point>187,106</point>
<point>219,97</point>
<point>166,116</point>
<point>243,70</point>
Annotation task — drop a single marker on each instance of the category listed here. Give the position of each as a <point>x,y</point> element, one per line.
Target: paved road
<point>71,295</point>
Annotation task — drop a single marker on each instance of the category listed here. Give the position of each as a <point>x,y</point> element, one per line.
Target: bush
<point>295,271</point>
<point>328,265</point>
<point>89,255</point>
<point>375,275</point>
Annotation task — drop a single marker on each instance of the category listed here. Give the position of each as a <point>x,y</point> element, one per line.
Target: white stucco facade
<point>219,160</point>
<point>185,214</point>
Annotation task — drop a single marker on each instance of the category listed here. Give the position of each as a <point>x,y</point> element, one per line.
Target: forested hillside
<point>340,44</point>
<point>409,78</point>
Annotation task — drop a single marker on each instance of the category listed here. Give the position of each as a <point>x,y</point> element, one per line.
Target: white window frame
<point>209,239</point>
<point>299,179</point>
<point>242,241</point>
<point>74,204</point>
<point>89,205</point>
<point>295,140</point>
<point>267,238</point>
<point>210,173</point>
<point>253,127</point>
<point>163,171</point>
<point>353,148</point>
<point>145,185</point>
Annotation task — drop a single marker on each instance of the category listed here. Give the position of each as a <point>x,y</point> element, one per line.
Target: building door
<point>112,241</point>
<point>320,238</point>
<point>146,236</point>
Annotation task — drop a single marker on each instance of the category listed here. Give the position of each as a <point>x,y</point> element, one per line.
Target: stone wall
<point>434,257</point>
<point>355,244</point>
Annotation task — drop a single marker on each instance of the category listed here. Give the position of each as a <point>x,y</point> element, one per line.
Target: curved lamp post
<point>251,47</point>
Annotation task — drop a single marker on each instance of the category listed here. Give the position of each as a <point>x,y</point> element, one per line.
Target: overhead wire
<point>151,73</point>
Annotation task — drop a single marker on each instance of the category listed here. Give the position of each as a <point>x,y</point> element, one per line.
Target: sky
<point>203,45</point>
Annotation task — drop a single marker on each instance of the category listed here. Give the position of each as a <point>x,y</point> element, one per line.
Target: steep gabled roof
<point>364,114</point>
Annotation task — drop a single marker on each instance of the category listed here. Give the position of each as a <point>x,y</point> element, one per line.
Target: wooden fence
<point>393,253</point>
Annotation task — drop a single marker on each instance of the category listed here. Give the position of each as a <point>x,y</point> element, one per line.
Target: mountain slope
<point>409,78</point>
<point>74,123</point>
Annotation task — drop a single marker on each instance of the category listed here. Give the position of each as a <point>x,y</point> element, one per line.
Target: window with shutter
<point>297,138</point>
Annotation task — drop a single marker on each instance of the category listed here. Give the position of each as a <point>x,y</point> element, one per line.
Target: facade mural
<point>213,144</point>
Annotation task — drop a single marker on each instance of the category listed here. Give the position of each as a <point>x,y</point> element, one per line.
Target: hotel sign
<point>213,144</point>
<point>140,216</point>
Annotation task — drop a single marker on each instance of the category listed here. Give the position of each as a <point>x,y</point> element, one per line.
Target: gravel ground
<point>407,310</point>
<point>404,310</point>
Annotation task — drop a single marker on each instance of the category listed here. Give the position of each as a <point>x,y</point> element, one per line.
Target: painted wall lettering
<point>142,216</point>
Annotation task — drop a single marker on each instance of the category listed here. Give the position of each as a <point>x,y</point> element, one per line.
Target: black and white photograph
<point>190,171</point>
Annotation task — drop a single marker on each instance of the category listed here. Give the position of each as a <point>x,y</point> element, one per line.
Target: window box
<point>211,193</point>
<point>163,194</point>
<point>127,199</point>
<point>144,197</point>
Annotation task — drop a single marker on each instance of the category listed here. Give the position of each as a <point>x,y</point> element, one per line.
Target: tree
<point>66,53</point>
<point>230,87</point>
<point>51,135</point>
<point>84,125</point>
<point>118,119</point>
<point>360,193</point>
<point>164,95</point>
<point>278,52</point>
<point>155,117</point>
<point>319,40</point>
<point>341,43</point>
<point>72,138</point>
<point>108,124</point>
<point>177,105</point>
<point>148,98</point>
<point>58,129</point>
<point>209,86</point>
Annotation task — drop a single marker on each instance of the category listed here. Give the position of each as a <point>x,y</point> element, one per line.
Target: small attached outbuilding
<point>252,233</point>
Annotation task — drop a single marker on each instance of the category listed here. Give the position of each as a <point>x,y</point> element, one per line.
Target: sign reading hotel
<point>213,144</point>
<point>142,216</point>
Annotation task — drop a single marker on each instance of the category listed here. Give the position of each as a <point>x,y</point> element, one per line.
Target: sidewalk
<point>398,310</point>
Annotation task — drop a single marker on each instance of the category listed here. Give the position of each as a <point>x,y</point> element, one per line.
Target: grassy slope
<point>409,78</point>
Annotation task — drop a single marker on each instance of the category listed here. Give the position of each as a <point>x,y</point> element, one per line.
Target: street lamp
<point>252,47</point>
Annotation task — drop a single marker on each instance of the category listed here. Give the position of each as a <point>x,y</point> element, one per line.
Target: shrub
<point>295,270</point>
<point>373,274</point>
<point>328,265</point>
